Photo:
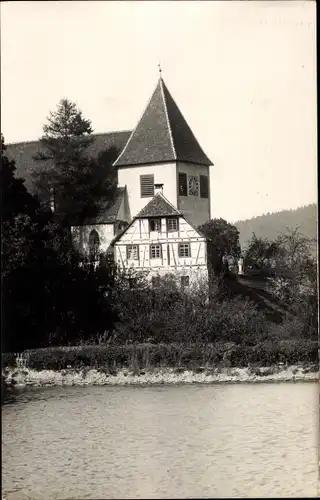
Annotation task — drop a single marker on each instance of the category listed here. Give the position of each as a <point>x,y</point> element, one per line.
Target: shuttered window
<point>183,186</point>
<point>204,186</point>
<point>146,185</point>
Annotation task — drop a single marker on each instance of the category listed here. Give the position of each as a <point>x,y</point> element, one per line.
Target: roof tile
<point>157,207</point>
<point>162,135</point>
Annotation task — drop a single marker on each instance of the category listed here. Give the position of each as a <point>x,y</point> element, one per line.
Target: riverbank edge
<point>169,376</point>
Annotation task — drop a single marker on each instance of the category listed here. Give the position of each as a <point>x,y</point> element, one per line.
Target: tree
<point>77,182</point>
<point>47,298</point>
<point>295,279</point>
<point>223,240</point>
<point>259,253</point>
<point>15,198</point>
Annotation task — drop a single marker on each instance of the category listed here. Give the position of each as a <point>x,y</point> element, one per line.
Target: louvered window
<point>155,251</point>
<point>183,186</point>
<point>146,185</point>
<point>184,250</point>
<point>204,186</point>
<point>132,252</point>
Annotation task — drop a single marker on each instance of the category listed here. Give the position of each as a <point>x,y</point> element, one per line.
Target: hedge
<point>141,356</point>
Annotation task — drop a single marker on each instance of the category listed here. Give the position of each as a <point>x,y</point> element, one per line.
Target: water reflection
<point>160,442</point>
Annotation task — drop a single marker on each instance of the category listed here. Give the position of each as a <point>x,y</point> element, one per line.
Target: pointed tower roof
<point>162,135</point>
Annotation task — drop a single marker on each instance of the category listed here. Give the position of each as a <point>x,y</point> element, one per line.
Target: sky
<point>242,73</point>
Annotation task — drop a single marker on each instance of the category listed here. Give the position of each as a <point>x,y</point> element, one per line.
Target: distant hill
<point>271,225</point>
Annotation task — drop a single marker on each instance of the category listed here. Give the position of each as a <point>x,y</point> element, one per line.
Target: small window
<point>147,186</point>
<point>94,245</point>
<point>155,251</point>
<point>155,225</point>
<point>193,184</point>
<point>183,188</point>
<point>184,281</point>
<point>184,250</point>
<point>155,281</point>
<point>172,225</point>
<point>132,252</point>
<point>204,186</point>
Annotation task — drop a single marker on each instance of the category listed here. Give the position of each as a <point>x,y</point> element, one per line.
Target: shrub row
<point>144,356</point>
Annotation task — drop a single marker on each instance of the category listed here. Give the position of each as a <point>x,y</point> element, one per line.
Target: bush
<point>187,356</point>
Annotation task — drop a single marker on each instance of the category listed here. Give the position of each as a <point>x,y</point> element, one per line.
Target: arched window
<point>94,245</point>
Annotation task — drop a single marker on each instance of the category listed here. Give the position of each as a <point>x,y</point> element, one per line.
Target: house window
<point>204,186</point>
<point>155,281</point>
<point>155,225</point>
<point>184,250</point>
<point>94,245</point>
<point>184,281</point>
<point>193,185</point>
<point>183,188</point>
<point>146,186</point>
<point>172,225</point>
<point>132,252</point>
<point>155,251</point>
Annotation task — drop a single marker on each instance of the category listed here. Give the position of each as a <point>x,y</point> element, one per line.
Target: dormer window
<point>172,224</point>
<point>155,225</point>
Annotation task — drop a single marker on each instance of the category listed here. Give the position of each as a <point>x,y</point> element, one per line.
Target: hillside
<point>271,225</point>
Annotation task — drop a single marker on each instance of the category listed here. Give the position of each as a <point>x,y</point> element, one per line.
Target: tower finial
<point>160,70</point>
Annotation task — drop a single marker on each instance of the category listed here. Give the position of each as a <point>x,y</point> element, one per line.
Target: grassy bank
<point>137,357</point>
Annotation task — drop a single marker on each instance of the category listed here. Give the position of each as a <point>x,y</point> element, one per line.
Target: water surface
<point>160,442</point>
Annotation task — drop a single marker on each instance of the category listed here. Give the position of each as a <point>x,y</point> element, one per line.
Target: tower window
<point>183,187</point>
<point>132,252</point>
<point>184,250</point>
<point>155,225</point>
<point>155,251</point>
<point>146,186</point>
<point>204,186</point>
<point>193,184</point>
<point>172,225</point>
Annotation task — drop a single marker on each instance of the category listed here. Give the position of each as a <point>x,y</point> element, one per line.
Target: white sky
<point>242,73</point>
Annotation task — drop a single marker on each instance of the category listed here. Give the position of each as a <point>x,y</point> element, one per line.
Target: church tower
<point>163,150</point>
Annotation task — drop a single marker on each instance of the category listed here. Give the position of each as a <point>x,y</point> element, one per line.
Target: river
<point>243,440</point>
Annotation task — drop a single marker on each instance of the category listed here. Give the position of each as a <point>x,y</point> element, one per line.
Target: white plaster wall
<point>138,234</point>
<point>80,236</point>
<point>124,209</point>
<point>163,174</point>
<point>195,208</point>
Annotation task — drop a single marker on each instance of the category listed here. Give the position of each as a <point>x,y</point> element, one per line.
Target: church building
<point>163,194</point>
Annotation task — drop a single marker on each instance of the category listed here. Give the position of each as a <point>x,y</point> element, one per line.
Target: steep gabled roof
<point>23,153</point>
<point>162,135</point>
<point>159,206</point>
<point>108,214</point>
